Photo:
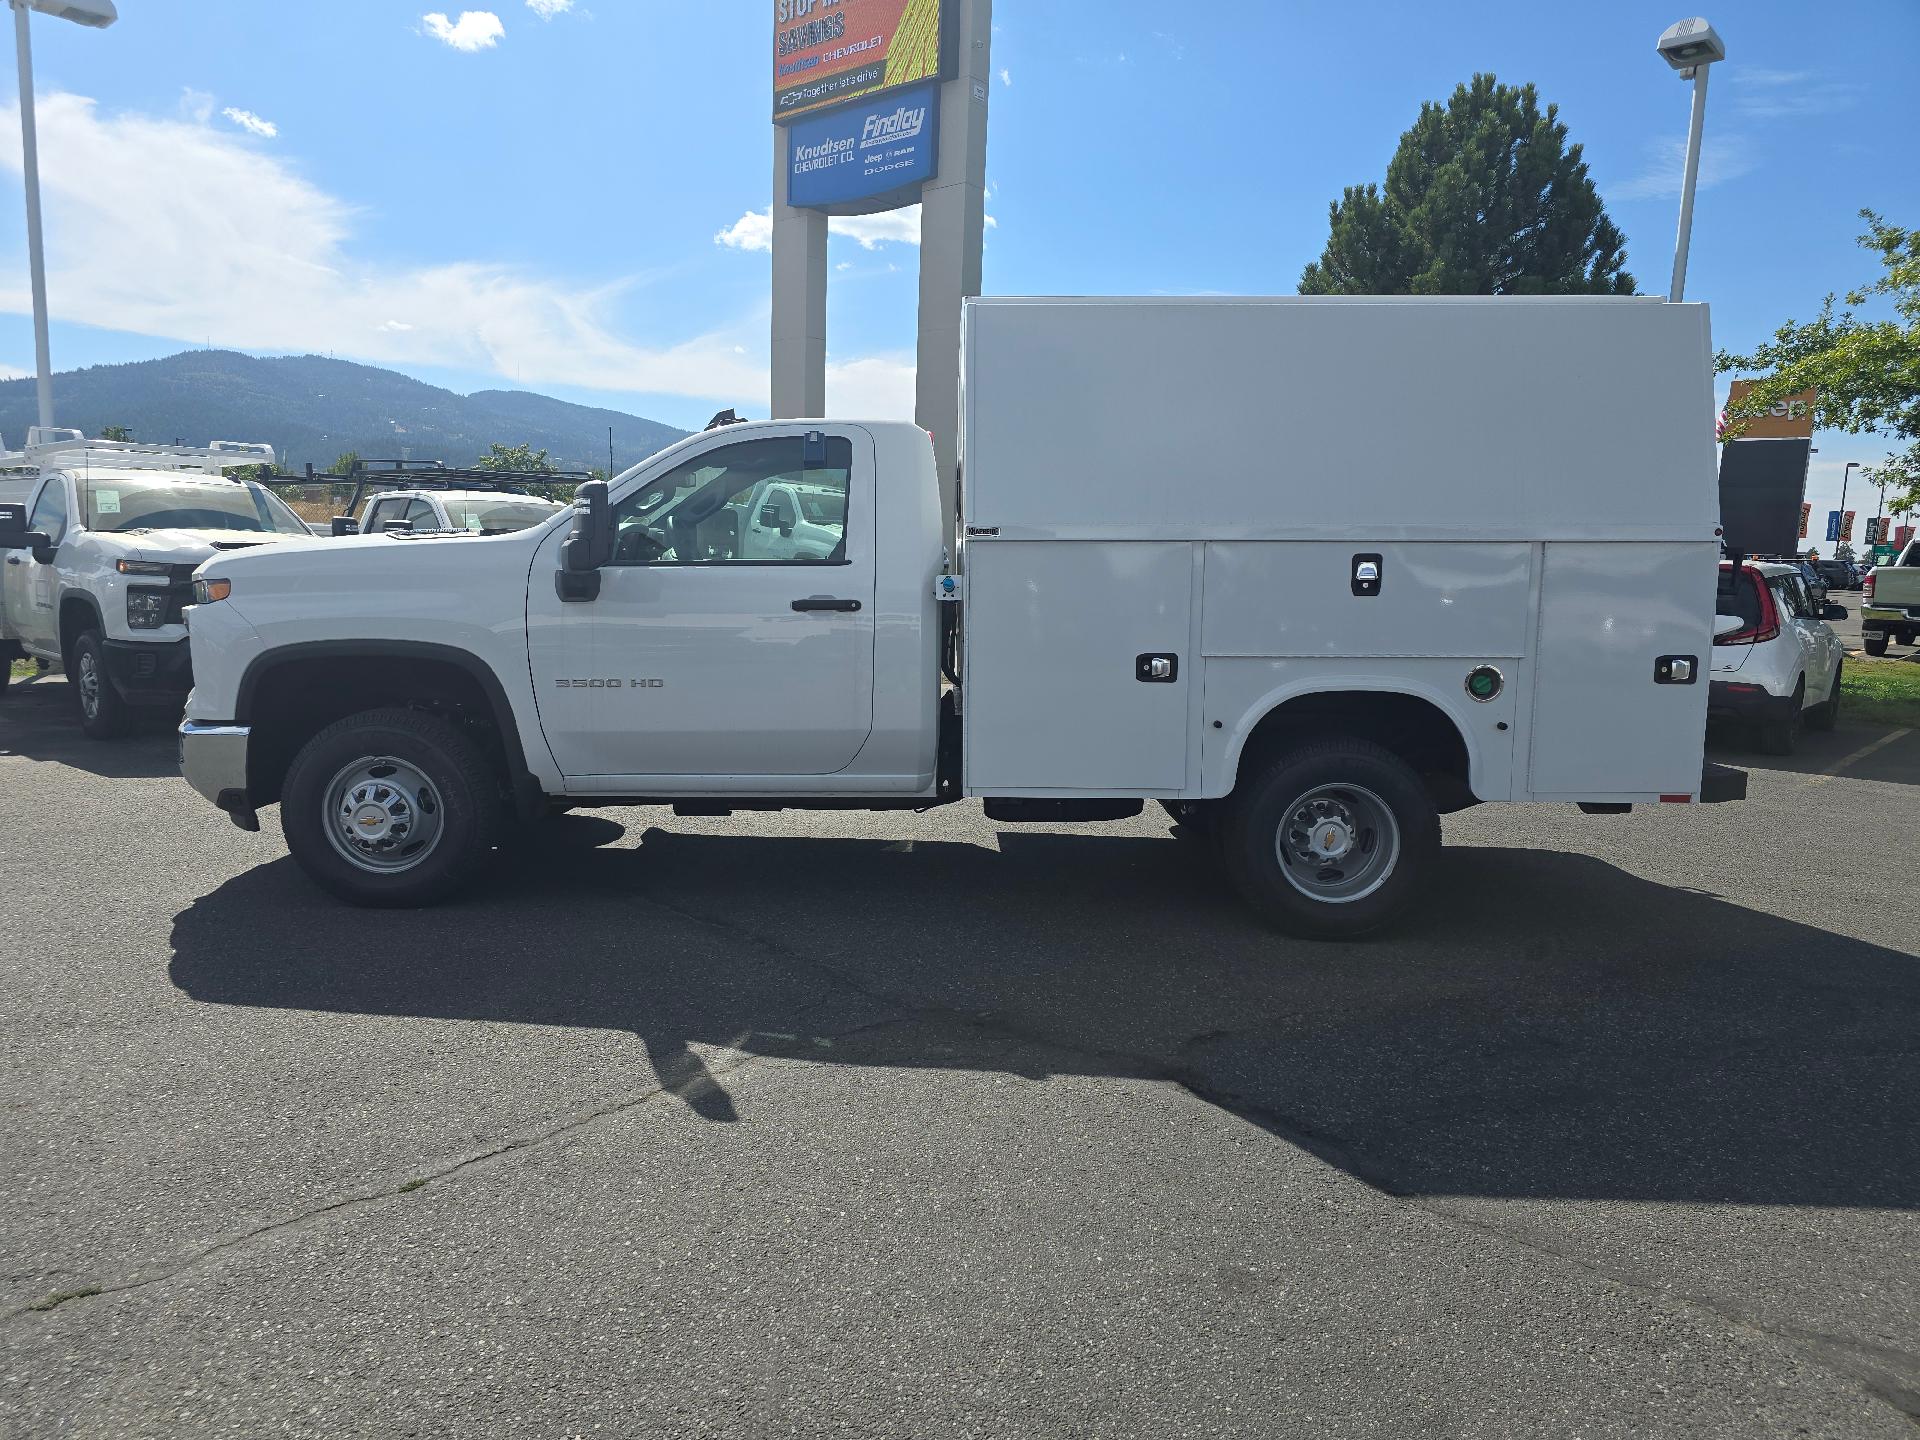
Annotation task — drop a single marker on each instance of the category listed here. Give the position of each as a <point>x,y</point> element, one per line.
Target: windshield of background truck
<point>499,517</point>
<point>128,504</point>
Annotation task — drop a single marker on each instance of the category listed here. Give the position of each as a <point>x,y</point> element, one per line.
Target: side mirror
<point>1724,625</point>
<point>36,541</point>
<point>590,546</point>
<point>345,525</point>
<point>1833,612</point>
<point>395,527</point>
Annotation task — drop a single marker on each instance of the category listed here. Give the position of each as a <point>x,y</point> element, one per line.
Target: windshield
<point>180,504</point>
<point>499,517</point>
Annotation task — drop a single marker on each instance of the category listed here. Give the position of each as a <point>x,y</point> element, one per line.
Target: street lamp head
<point>1690,43</point>
<point>97,13</point>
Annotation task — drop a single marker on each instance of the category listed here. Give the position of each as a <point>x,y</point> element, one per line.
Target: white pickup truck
<point>100,550</point>
<point>1890,601</point>
<point>1306,572</point>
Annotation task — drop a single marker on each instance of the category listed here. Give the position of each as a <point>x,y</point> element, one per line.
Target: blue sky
<point>547,199</point>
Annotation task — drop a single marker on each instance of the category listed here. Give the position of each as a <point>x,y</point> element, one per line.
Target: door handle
<point>823,602</point>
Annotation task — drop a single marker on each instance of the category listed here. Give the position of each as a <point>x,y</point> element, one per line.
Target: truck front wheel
<point>1332,840</point>
<point>103,714</point>
<point>390,808</point>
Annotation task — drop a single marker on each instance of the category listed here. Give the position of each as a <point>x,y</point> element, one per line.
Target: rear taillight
<point>1769,626</point>
<point>1866,587</point>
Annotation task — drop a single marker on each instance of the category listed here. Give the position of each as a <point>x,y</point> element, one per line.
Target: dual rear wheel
<point>1332,840</point>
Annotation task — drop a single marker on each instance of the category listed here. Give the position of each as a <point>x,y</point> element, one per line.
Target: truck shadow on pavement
<point>38,722</point>
<point>1551,1026</point>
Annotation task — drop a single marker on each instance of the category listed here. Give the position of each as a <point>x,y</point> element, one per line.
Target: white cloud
<point>281,271</point>
<point>474,30</point>
<point>1006,77</point>
<point>753,231</point>
<point>894,227</point>
<point>879,387</point>
<point>251,123</point>
<point>13,372</point>
<point>196,105</point>
<point>547,9</point>
<point>1721,160</point>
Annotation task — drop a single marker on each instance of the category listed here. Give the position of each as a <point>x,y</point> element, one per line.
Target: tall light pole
<point>1689,46</point>
<point>99,14</point>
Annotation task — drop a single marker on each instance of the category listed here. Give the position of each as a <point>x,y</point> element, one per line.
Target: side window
<point>380,511</point>
<point>50,510</point>
<point>422,516</point>
<point>1787,593</point>
<point>774,501</point>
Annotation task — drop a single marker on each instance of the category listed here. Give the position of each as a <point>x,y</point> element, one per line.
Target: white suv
<point>1776,662</point>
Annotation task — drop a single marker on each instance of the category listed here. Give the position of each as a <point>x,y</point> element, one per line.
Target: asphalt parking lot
<point>917,1125</point>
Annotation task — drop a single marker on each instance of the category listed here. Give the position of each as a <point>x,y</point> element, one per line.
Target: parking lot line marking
<point>1857,756</point>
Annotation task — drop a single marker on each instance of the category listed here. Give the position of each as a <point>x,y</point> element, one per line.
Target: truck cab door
<point>697,662</point>
<point>32,590</point>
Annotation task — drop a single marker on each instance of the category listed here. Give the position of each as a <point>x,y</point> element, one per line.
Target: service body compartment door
<point>1056,631</point>
<point>1604,724</point>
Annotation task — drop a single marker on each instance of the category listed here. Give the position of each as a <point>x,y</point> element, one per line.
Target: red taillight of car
<point>1866,587</point>
<point>1769,626</point>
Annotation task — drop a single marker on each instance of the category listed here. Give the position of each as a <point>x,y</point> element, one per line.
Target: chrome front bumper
<point>213,758</point>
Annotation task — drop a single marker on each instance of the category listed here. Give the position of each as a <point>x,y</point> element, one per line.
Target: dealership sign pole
<point>878,105</point>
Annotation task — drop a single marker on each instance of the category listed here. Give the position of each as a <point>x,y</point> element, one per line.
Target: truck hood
<point>183,547</point>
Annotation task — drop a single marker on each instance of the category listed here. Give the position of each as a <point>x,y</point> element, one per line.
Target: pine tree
<point>1483,197</point>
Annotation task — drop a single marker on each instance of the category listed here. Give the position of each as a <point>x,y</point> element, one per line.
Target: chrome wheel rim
<point>1338,843</point>
<point>89,682</point>
<point>382,815</point>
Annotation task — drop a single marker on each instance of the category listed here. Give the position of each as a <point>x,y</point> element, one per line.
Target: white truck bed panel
<point>1280,598</point>
<point>1052,701</point>
<point>1601,727</point>
<point>1445,418</point>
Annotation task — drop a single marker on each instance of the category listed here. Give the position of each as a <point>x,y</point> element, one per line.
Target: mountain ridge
<point>311,408</point>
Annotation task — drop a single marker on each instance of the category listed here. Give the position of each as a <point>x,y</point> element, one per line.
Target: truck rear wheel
<point>1875,642</point>
<point>390,808</point>
<point>1332,840</point>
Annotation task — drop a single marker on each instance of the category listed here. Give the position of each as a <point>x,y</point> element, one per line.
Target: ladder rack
<point>60,449</point>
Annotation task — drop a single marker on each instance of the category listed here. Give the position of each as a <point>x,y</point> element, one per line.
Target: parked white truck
<point>1308,572</point>
<point>1890,602</point>
<point>100,549</point>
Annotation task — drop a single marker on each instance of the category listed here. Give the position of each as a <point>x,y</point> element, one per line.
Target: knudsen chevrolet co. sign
<point>826,52</point>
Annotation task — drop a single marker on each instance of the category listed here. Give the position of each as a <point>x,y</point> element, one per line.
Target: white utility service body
<point>1199,476</point>
<point>1397,555</point>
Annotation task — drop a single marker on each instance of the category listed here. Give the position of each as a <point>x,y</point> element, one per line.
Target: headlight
<point>146,607</point>
<point>143,567</point>
<point>205,592</point>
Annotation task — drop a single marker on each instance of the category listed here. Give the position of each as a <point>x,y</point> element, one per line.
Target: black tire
<point>1782,736</point>
<point>9,656</point>
<point>1372,779</point>
<point>1875,642</point>
<point>103,714</point>
<point>1826,714</point>
<point>461,799</point>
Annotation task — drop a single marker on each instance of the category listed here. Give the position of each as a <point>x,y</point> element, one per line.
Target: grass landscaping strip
<point>1887,691</point>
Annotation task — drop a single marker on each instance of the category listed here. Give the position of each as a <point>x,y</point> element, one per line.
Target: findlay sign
<point>864,152</point>
<point>827,52</point>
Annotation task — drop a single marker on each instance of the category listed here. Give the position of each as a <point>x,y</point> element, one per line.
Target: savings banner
<point>829,51</point>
